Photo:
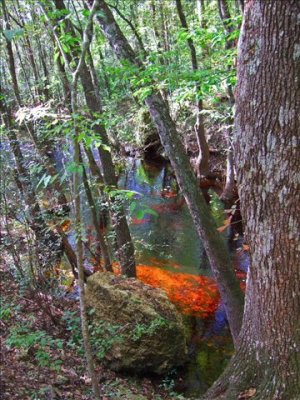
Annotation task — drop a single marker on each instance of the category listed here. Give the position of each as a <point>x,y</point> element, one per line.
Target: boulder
<point>135,327</point>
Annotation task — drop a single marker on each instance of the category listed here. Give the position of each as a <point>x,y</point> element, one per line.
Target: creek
<point>170,255</point>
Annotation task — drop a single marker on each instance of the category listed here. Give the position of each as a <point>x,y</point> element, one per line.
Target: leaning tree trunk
<point>214,245</point>
<point>267,361</point>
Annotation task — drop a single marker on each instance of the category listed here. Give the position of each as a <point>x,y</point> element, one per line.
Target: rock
<point>135,326</point>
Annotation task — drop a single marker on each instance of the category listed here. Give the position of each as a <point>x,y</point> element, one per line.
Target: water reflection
<point>171,256</point>
<point>170,236</point>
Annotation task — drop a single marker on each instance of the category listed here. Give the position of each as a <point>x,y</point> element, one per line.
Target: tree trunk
<point>11,60</point>
<point>203,158</point>
<point>160,38</point>
<point>96,221</point>
<point>46,152</point>
<point>230,186</point>
<point>47,242</point>
<point>267,157</point>
<point>132,27</point>
<point>228,194</point>
<point>125,245</point>
<point>214,245</point>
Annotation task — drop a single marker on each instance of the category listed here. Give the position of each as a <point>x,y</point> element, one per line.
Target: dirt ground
<point>37,362</point>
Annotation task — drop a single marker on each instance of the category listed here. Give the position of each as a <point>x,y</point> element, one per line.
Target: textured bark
<point>267,158</point>
<point>214,245</point>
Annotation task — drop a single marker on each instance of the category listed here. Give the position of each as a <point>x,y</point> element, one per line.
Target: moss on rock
<point>149,334</point>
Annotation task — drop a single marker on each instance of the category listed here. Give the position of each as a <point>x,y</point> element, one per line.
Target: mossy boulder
<point>135,326</point>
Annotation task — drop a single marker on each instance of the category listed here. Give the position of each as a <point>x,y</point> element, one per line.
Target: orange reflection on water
<point>193,295</point>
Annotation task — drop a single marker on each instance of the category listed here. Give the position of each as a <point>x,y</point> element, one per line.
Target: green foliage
<point>46,179</point>
<point>121,194</point>
<point>25,338</point>
<point>6,310</point>
<point>103,335</point>
<point>141,329</point>
<point>72,321</point>
<point>217,208</point>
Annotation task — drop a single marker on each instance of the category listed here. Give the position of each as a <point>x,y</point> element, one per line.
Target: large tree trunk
<point>267,158</point>
<point>214,245</point>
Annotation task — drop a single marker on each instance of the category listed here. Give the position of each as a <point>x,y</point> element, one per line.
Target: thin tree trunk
<point>23,68</point>
<point>230,186</point>
<point>11,60</point>
<point>160,42</point>
<point>132,27</point>
<point>203,158</point>
<point>229,191</point>
<point>124,242</point>
<point>87,37</point>
<point>96,222</point>
<point>164,27</point>
<point>213,243</point>
<point>48,244</point>
<point>45,70</point>
<point>201,13</point>
<point>44,149</point>
<point>64,81</point>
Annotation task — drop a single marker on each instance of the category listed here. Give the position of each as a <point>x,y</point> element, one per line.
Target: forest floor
<point>39,361</point>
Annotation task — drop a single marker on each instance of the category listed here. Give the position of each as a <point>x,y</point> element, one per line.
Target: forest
<point>149,197</point>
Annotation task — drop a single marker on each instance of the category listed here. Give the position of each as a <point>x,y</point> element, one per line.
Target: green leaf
<point>74,168</point>
<point>132,206</point>
<point>150,211</point>
<point>85,13</point>
<point>140,214</point>
<point>56,56</point>
<point>47,180</point>
<point>143,92</point>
